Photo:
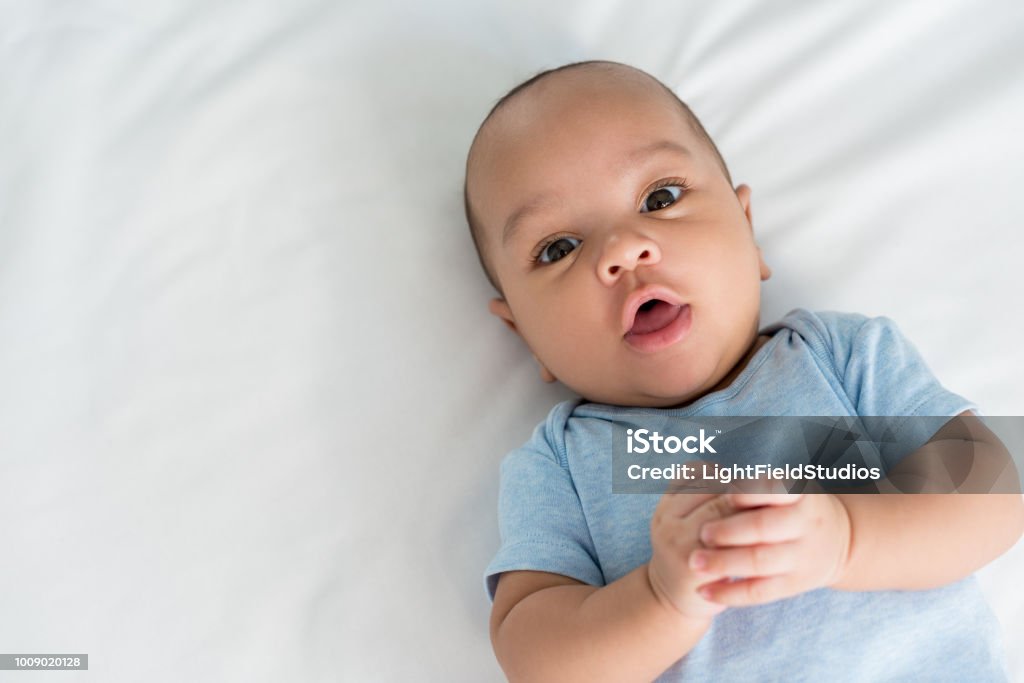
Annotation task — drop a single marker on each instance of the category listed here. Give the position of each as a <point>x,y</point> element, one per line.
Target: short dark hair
<point>688,115</point>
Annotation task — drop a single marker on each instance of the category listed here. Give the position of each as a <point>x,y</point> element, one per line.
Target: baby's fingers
<point>754,500</point>
<point>748,561</point>
<point>755,591</point>
<point>761,525</point>
<point>680,504</point>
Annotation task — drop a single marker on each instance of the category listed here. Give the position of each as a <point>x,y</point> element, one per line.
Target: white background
<point>252,405</point>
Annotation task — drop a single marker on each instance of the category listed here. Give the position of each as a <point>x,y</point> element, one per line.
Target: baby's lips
<point>641,296</point>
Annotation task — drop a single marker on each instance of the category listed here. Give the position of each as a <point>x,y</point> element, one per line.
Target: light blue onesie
<point>557,514</point>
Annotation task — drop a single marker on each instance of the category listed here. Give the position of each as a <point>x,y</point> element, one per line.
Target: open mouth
<point>653,315</point>
<point>657,324</point>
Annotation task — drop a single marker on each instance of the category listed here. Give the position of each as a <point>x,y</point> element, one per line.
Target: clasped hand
<point>734,549</point>
<point>773,546</point>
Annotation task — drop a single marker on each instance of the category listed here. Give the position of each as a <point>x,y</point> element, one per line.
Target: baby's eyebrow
<point>537,204</point>
<point>540,202</point>
<point>638,154</point>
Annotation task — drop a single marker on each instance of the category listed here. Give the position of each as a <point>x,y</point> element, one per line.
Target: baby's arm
<point>874,542</point>
<point>548,627</point>
<point>908,542</point>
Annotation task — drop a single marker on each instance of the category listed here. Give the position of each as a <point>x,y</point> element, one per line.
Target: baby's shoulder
<point>822,323</point>
<point>833,333</point>
<point>548,437</point>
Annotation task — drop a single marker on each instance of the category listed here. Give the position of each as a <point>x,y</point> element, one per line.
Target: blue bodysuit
<point>557,513</point>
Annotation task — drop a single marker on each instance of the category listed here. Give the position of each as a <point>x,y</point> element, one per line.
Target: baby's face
<point>626,260</point>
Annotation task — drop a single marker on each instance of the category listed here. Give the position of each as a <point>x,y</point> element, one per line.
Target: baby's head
<point>606,219</point>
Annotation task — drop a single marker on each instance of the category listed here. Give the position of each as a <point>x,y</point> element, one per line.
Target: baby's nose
<point>626,252</point>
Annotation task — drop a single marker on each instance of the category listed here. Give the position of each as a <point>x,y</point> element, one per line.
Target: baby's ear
<point>499,308</point>
<point>743,192</point>
<point>766,272</point>
<point>545,374</point>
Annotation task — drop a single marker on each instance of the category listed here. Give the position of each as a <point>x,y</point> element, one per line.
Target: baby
<point>624,257</point>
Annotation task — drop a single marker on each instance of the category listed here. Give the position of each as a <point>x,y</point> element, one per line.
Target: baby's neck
<point>758,342</point>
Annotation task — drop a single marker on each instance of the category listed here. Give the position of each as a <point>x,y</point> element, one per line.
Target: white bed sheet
<point>251,403</point>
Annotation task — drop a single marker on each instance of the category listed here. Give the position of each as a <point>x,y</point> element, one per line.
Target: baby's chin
<point>648,401</point>
<point>674,379</point>
<point>656,395</point>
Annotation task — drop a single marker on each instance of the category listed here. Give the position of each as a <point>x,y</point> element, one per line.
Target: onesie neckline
<point>741,380</point>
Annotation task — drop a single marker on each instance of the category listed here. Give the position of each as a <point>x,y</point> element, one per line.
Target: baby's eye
<point>662,197</point>
<point>557,250</point>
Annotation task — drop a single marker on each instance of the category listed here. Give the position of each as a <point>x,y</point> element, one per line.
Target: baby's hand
<point>780,544</point>
<point>675,526</point>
